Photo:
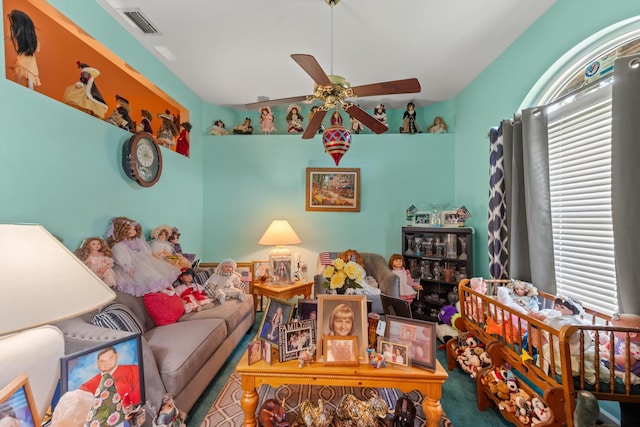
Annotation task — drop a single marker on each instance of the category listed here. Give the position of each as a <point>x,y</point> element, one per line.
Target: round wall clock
<point>141,159</point>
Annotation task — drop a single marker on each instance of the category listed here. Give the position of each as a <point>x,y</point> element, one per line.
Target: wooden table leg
<point>249,401</point>
<point>432,411</point>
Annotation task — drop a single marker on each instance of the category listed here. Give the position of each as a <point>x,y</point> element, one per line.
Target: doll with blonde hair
<point>137,271</point>
<point>163,249</point>
<point>96,255</point>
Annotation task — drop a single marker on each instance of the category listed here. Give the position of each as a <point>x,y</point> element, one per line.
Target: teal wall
<point>61,168</point>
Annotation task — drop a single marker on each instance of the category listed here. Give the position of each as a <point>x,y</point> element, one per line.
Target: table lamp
<point>278,234</point>
<point>41,282</point>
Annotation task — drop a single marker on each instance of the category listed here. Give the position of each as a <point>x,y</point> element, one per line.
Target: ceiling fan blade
<point>366,119</point>
<point>388,88</point>
<point>311,66</point>
<point>260,104</point>
<point>314,124</point>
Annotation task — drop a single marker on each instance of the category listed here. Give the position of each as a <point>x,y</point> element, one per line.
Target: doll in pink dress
<point>266,121</point>
<point>137,271</point>
<point>95,253</point>
<point>408,288</point>
<point>193,296</point>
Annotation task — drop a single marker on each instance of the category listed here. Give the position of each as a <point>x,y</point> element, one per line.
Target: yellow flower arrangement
<point>340,276</point>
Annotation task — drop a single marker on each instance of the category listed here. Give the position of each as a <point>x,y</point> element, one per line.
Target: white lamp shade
<point>41,281</point>
<point>279,233</point>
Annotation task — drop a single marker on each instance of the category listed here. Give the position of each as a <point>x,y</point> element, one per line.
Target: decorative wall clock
<point>142,159</point>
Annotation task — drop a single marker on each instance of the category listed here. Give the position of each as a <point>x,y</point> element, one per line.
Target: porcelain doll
<point>84,94</point>
<point>174,239</point>
<point>244,129</point>
<point>218,128</point>
<point>356,125</point>
<point>620,353</point>
<point>193,296</point>
<point>182,146</point>
<point>294,119</point>
<point>26,44</point>
<point>409,124</point>
<point>226,282</point>
<point>125,111</point>
<point>137,271</point>
<point>145,122</point>
<point>168,130</point>
<point>380,114</point>
<point>438,126</point>
<point>336,118</point>
<point>408,289</point>
<point>266,121</point>
<point>165,250</point>
<point>95,253</point>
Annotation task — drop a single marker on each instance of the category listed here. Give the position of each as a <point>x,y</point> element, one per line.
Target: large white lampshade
<point>278,234</point>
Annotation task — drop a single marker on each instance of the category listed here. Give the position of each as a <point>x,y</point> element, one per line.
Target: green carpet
<point>458,393</point>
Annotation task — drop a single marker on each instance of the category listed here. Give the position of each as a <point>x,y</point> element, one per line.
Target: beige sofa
<point>180,358</point>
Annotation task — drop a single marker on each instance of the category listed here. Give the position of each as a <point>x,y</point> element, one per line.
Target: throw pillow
<point>117,316</point>
<point>201,276</point>
<point>164,308</point>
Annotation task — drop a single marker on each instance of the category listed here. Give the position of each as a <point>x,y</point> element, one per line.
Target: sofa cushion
<point>117,316</point>
<point>201,275</point>
<point>233,312</point>
<point>181,349</point>
<point>164,308</point>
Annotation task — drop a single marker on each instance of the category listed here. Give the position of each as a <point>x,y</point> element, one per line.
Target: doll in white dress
<point>226,282</point>
<point>163,249</point>
<point>408,289</point>
<point>137,271</point>
<point>95,253</point>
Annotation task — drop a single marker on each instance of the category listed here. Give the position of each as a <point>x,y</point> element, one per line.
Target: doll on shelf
<point>226,282</point>
<point>336,118</point>
<point>438,126</point>
<point>182,146</point>
<point>356,125</point>
<point>314,110</point>
<point>165,250</point>
<point>137,271</point>
<point>84,94</point>
<point>408,288</point>
<point>124,110</point>
<point>193,296</point>
<point>145,122</point>
<point>266,121</point>
<point>294,119</point>
<point>380,114</point>
<point>244,129</point>
<point>409,124</point>
<point>218,128</point>
<point>26,44</point>
<point>95,253</point>
<point>168,130</point>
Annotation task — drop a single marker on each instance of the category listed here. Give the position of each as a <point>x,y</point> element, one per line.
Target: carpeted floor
<point>226,411</point>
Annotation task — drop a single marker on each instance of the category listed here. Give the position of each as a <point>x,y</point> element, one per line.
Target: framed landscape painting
<point>333,189</point>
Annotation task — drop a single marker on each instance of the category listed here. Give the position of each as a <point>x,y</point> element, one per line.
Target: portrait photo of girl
<point>341,316</point>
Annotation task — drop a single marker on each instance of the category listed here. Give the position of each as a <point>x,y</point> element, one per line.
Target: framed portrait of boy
<point>277,312</point>
<point>83,370</point>
<point>17,405</point>
<point>343,315</point>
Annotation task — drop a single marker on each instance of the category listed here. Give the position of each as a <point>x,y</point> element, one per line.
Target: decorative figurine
<point>244,129</point>
<point>26,44</point>
<point>305,357</point>
<point>169,415</point>
<point>356,125</point>
<point>84,94</point>
<point>168,130</point>
<point>294,119</point>
<point>316,416</point>
<point>95,254</point>
<point>145,122</point>
<point>311,113</point>
<point>124,110</point>
<point>365,414</point>
<point>218,128</point>
<point>438,126</point>
<point>376,359</point>
<point>266,121</point>
<point>336,118</point>
<point>182,146</point>
<point>409,124</point>
<point>380,114</point>
<point>272,414</point>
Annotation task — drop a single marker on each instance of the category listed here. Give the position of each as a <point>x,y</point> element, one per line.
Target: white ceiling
<point>232,52</point>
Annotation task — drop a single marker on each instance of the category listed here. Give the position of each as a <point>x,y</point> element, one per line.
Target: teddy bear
<point>522,407</point>
<point>470,360</point>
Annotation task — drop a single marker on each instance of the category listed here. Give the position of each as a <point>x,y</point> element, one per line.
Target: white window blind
<point>580,189</point>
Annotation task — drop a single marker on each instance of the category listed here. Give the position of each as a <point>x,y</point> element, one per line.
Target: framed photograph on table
<point>450,218</point>
<point>307,309</point>
<point>418,335</point>
<point>260,271</point>
<point>281,268</point>
<point>394,353</point>
<point>254,352</point>
<point>266,351</point>
<point>295,337</point>
<point>278,312</point>
<point>343,315</point>
<point>17,405</point>
<point>83,370</point>
<point>341,351</point>
<point>333,189</point>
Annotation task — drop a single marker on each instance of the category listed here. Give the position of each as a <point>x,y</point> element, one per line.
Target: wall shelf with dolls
<point>437,258</point>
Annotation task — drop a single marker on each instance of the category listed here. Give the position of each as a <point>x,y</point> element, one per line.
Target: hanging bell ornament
<point>336,140</point>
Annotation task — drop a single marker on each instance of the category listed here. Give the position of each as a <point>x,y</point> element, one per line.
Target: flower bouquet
<point>341,276</point>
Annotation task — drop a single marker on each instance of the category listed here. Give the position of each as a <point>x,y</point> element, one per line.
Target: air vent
<point>139,20</point>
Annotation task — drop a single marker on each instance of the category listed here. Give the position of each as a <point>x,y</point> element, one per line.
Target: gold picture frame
<point>333,189</point>
<point>340,351</point>
<point>16,401</point>
<point>334,307</point>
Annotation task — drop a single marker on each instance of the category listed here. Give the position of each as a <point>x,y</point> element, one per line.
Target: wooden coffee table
<point>406,379</point>
<point>280,291</point>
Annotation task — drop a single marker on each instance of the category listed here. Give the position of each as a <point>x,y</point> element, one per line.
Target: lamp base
<point>281,264</point>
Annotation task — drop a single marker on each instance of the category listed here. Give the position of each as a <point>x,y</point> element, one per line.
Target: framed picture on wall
<point>333,189</point>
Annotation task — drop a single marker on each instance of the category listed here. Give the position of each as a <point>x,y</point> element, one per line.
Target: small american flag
<point>327,257</point>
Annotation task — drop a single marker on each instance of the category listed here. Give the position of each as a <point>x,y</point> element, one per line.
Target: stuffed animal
<point>541,413</point>
<point>522,407</point>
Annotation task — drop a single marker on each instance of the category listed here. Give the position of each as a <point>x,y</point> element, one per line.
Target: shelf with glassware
<point>437,257</point>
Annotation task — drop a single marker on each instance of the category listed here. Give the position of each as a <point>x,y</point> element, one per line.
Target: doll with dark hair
<point>294,119</point>
<point>95,253</point>
<point>380,114</point>
<point>137,271</point>
<point>193,295</point>
<point>167,131</point>
<point>218,128</point>
<point>124,110</point>
<point>174,239</point>
<point>409,124</point>
<point>25,42</point>
<point>145,122</point>
<point>182,146</point>
<point>244,129</point>
<point>84,94</point>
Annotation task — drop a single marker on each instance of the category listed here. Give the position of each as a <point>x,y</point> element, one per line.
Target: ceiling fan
<point>334,91</point>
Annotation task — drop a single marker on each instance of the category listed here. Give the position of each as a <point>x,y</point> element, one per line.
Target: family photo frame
<point>418,335</point>
<point>333,189</point>
<point>343,315</point>
<point>277,312</point>
<point>83,370</point>
<point>18,405</point>
<point>295,337</point>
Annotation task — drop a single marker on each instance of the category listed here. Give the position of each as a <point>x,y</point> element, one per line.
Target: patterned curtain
<point>498,233</point>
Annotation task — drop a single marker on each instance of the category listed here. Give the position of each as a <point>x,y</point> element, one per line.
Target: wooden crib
<point>565,358</point>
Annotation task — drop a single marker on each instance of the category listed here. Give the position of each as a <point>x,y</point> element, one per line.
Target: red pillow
<point>163,308</point>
